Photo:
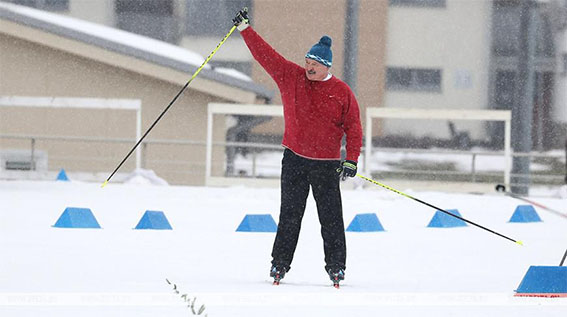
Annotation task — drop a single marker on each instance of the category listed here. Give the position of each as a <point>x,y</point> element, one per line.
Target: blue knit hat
<point>321,51</point>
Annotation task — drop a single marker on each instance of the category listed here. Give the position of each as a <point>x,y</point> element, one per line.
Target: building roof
<point>130,44</point>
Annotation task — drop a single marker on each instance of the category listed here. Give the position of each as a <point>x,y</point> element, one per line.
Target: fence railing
<point>473,174</point>
<point>177,165</point>
<point>254,162</point>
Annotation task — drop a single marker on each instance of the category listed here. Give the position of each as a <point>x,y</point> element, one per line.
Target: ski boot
<point>336,276</point>
<point>277,272</point>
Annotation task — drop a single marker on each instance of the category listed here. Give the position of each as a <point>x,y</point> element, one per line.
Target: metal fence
<point>433,171</point>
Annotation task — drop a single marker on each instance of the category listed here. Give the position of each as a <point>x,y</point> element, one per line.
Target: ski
<point>502,189</point>
<point>336,277</point>
<point>277,280</point>
<point>277,273</point>
<point>336,284</point>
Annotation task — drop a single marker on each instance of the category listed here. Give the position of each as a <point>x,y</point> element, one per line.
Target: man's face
<point>314,70</point>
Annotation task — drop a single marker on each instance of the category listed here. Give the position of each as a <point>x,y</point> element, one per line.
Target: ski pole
<point>437,208</point>
<point>563,260</point>
<point>502,189</point>
<point>170,104</point>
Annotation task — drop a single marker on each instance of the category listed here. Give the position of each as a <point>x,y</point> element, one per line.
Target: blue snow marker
<point>74,217</point>
<point>365,223</point>
<point>62,176</point>
<point>257,223</point>
<point>525,213</point>
<point>544,281</point>
<point>443,220</point>
<point>154,220</point>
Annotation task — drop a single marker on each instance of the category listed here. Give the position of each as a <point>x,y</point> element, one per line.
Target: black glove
<point>348,169</point>
<point>241,17</point>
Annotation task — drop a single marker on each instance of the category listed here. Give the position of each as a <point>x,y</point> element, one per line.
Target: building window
<point>154,18</point>
<point>49,5</point>
<point>507,33</point>
<point>419,3</point>
<point>213,18</point>
<point>413,79</point>
<point>506,30</point>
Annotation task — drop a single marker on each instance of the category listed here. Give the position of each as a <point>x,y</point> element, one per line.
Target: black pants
<point>298,174</point>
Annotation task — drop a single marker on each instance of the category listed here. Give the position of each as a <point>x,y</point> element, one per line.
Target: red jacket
<point>316,113</point>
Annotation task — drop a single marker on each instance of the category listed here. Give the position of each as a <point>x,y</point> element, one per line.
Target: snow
<point>115,35</point>
<point>267,163</point>
<point>407,270</point>
<point>140,42</point>
<point>144,177</point>
<point>232,72</point>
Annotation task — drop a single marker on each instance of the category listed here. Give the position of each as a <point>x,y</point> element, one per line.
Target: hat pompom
<point>321,52</point>
<point>325,40</point>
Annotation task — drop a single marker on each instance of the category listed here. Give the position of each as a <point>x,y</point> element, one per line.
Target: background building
<point>558,18</point>
<point>426,54</point>
<point>43,55</point>
<point>438,56</point>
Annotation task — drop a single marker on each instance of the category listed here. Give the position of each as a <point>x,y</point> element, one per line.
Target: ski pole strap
<point>349,165</point>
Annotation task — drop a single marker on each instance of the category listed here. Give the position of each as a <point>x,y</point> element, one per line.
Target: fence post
<point>473,168</point>
<point>254,163</point>
<point>143,155</point>
<point>32,167</point>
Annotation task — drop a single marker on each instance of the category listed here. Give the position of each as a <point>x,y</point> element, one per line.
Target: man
<point>318,110</point>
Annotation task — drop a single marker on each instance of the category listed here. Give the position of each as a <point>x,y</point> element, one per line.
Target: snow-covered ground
<point>267,163</point>
<point>406,270</point>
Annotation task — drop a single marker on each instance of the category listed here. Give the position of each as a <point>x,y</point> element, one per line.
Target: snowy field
<point>406,270</point>
<point>268,163</point>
